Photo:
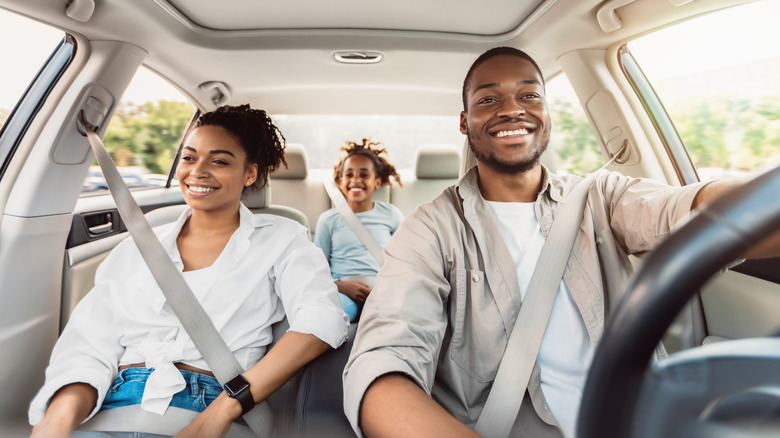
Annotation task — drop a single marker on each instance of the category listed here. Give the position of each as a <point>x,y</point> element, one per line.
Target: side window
<point>572,138</point>
<point>144,134</point>
<point>718,79</point>
<point>20,93</point>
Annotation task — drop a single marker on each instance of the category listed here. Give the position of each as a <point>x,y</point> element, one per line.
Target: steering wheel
<point>727,389</point>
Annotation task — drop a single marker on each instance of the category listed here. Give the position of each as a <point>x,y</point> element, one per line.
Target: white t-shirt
<point>566,351</point>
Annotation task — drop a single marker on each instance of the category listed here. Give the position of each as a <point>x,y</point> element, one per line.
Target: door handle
<point>99,224</point>
<point>101,229</point>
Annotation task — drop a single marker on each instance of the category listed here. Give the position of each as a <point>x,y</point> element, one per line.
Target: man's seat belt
<point>190,313</point>
<point>354,223</point>
<point>505,397</point>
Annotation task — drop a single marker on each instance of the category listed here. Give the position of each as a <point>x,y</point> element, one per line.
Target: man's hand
<point>355,290</point>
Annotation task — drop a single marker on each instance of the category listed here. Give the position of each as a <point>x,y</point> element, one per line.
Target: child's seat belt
<point>505,397</point>
<point>354,223</point>
<point>191,314</point>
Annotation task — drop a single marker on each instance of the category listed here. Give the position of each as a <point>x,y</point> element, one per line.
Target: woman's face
<point>213,170</point>
<point>359,179</point>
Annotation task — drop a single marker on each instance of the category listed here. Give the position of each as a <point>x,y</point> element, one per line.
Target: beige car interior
<point>426,54</point>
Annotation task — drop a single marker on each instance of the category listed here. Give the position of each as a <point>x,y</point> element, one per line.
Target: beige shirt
<point>447,296</point>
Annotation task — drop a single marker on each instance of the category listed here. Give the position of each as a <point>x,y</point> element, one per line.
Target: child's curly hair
<point>259,137</point>
<point>384,170</point>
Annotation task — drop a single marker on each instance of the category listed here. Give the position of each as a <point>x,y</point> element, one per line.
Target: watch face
<point>236,385</point>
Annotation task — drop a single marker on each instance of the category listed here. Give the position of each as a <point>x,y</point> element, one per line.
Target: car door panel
<point>737,305</point>
<point>86,249</point>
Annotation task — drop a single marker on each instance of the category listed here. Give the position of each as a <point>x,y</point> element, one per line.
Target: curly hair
<point>256,133</point>
<point>384,170</point>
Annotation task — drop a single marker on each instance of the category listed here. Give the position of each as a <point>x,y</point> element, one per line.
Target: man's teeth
<point>202,189</point>
<point>515,132</point>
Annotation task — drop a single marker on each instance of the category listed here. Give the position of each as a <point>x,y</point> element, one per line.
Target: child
<point>358,175</point>
<point>246,270</point>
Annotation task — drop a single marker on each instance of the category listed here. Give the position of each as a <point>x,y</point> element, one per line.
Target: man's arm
<point>769,247</point>
<point>392,397</point>
<point>401,328</point>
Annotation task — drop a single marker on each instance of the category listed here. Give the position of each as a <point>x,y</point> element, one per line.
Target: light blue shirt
<point>344,251</point>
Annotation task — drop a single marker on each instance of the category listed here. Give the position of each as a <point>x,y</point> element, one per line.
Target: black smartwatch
<point>238,388</point>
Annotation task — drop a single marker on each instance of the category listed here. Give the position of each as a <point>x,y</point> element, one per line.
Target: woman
<point>123,344</point>
<point>357,175</point>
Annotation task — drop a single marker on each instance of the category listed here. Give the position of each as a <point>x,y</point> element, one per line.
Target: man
<point>457,269</point>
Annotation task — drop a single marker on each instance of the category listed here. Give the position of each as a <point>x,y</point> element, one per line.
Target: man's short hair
<point>492,53</point>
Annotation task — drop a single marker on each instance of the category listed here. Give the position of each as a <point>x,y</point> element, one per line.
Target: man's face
<point>507,121</point>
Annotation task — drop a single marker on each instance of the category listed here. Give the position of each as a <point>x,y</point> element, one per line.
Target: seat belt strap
<point>354,223</point>
<point>191,314</point>
<point>505,397</point>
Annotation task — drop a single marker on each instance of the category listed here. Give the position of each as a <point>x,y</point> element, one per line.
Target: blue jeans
<point>350,307</point>
<point>128,388</point>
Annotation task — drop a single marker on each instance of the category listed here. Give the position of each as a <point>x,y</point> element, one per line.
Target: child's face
<point>213,169</point>
<point>359,179</point>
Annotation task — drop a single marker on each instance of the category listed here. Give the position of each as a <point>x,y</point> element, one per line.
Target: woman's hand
<point>67,409</point>
<point>290,354</point>
<point>215,420</point>
<point>355,290</point>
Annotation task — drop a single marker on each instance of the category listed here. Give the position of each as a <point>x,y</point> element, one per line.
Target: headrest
<point>437,161</point>
<point>297,163</point>
<point>259,197</point>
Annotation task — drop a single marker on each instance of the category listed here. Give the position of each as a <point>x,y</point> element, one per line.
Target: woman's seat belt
<point>191,314</point>
<point>506,395</point>
<point>354,223</point>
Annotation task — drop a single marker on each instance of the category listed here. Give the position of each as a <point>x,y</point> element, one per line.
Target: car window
<point>144,134</point>
<point>718,78</point>
<point>20,93</point>
<point>572,138</point>
<point>21,62</point>
<point>323,135</point>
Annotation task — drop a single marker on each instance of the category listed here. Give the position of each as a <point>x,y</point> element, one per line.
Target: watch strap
<point>238,388</point>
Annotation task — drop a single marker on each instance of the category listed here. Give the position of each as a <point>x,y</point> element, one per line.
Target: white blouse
<point>268,269</point>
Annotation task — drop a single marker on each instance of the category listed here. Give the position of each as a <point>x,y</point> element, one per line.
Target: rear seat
<point>301,188</point>
<point>292,187</point>
<point>436,168</point>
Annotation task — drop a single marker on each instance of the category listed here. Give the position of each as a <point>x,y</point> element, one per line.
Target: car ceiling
<point>280,55</point>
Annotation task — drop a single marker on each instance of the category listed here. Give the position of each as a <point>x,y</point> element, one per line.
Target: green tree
<point>737,134</point>
<point>701,125</point>
<point>147,135</point>
<point>760,145</point>
<point>573,140</point>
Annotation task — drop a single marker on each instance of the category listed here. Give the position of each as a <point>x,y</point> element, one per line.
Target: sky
<point>714,41</point>
<point>726,29</point>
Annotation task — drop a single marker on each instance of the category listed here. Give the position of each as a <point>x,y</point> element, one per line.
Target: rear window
<point>323,135</point>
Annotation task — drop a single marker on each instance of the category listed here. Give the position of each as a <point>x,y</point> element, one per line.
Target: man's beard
<point>505,167</point>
